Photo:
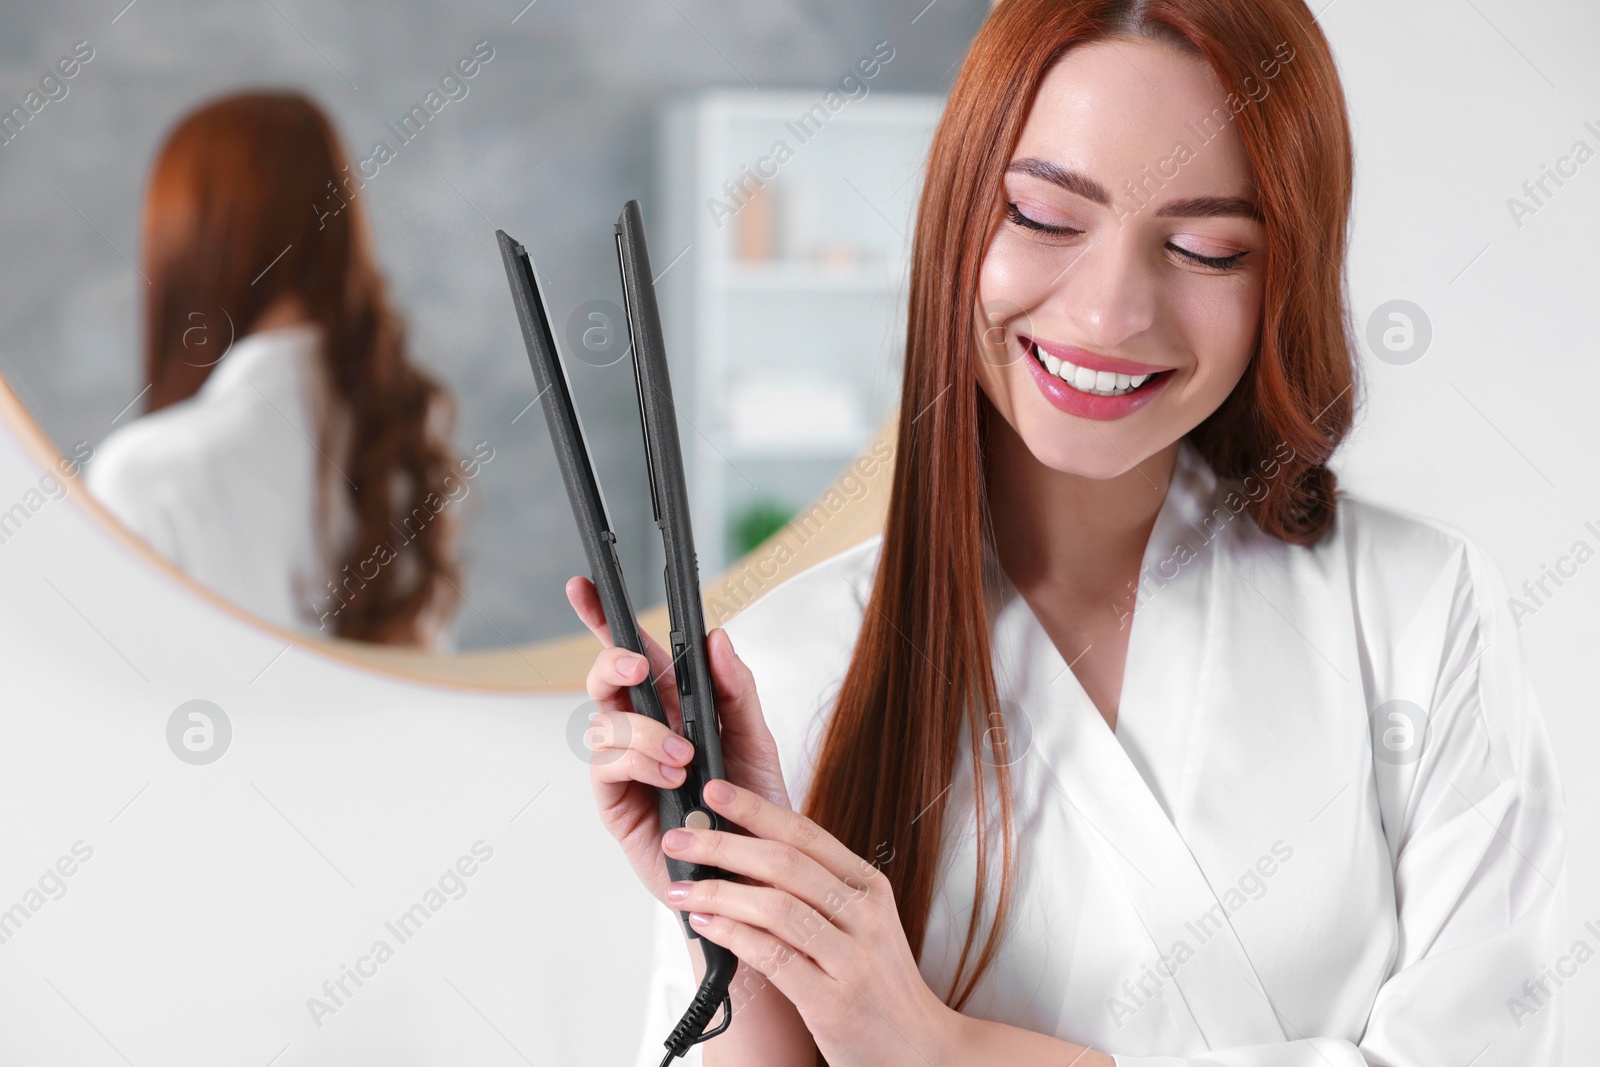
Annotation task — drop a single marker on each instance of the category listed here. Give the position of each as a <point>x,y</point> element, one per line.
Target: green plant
<point>758,521</point>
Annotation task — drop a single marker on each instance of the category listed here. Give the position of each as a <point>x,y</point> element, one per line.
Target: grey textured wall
<point>554,133</point>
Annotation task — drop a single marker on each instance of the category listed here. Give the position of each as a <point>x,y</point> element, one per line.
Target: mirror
<point>209,371</point>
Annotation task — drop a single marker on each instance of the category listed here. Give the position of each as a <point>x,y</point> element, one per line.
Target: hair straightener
<point>669,500</point>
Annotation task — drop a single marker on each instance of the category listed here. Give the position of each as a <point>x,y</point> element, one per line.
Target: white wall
<point>1454,107</point>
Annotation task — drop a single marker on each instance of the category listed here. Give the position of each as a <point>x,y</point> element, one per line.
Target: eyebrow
<point>1198,207</point>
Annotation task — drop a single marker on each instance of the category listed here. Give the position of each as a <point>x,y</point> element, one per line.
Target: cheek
<point>993,317</point>
<point>989,362</point>
<point>1222,330</point>
<point>1018,275</point>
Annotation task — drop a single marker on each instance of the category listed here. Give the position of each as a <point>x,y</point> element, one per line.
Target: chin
<point>1086,451</point>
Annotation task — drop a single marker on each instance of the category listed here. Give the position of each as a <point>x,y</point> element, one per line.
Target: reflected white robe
<point>224,483</point>
<point>1261,866</point>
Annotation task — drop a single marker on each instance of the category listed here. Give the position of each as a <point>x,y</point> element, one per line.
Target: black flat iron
<point>669,499</point>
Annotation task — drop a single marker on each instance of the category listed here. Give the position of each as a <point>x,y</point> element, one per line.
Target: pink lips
<point>1087,405</point>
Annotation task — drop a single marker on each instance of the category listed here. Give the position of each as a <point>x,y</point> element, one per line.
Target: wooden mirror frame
<point>850,510</point>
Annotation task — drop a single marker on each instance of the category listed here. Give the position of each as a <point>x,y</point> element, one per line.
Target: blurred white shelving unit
<point>782,273</point>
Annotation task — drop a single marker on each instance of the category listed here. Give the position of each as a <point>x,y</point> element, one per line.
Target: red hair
<point>244,207</point>
<point>921,672</point>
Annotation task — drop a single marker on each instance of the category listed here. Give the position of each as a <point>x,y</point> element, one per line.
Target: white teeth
<point>1099,383</point>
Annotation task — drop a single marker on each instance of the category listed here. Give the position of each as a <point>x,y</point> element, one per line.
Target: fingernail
<point>677,747</point>
<point>729,636</point>
<point>677,840</point>
<point>699,918</point>
<point>671,771</point>
<point>634,664</point>
<point>678,891</point>
<point>718,791</point>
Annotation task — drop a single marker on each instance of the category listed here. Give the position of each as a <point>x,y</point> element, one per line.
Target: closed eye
<point>1213,262</point>
<point>1026,223</point>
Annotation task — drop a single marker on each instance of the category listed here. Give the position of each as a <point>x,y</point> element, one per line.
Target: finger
<point>775,863</point>
<point>734,685</point>
<point>601,682</point>
<point>780,914</point>
<point>611,733</point>
<point>624,748</point>
<point>733,678</point>
<point>632,765</point>
<point>585,601</point>
<point>612,671</point>
<point>767,821</point>
<point>795,975</point>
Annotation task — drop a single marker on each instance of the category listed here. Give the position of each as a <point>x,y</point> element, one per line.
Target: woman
<point>1129,740</point>
<point>292,458</point>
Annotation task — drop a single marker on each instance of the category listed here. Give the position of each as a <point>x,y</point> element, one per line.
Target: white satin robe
<point>224,483</point>
<point>1267,864</point>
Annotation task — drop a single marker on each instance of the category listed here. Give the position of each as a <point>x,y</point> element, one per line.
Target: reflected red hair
<point>921,673</point>
<point>243,208</point>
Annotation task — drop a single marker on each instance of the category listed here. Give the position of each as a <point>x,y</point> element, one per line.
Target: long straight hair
<point>921,672</point>
<point>243,208</point>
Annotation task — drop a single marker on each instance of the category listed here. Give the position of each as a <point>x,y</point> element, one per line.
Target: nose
<point>1108,292</point>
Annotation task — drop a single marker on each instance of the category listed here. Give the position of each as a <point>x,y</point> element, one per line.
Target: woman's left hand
<point>821,925</point>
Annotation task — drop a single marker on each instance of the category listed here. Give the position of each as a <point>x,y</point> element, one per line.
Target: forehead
<point>1109,108</point>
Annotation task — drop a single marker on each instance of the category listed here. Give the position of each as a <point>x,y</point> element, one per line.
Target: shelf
<point>788,358</point>
<point>806,276</point>
<point>797,448</point>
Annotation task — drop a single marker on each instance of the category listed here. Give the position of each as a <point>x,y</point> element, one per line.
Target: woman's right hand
<point>632,755</point>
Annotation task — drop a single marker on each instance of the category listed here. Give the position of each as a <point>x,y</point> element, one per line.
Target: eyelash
<point>1213,262</point>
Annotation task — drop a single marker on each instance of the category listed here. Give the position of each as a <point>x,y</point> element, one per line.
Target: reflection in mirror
<point>783,299</point>
<point>291,456</point>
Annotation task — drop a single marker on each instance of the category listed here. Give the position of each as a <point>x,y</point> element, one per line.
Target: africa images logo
<point>199,732</point>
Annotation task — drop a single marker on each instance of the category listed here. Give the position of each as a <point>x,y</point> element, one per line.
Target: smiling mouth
<point>1092,382</point>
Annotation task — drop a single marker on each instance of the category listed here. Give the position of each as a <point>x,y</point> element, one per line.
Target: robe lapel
<point>1116,797</point>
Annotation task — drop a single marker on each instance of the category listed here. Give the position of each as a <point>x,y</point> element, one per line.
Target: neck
<point>286,310</point>
<point>1063,536</point>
